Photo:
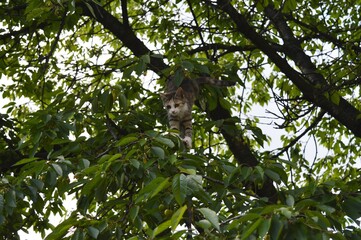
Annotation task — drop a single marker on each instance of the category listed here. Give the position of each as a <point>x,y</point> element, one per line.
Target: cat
<point>178,101</point>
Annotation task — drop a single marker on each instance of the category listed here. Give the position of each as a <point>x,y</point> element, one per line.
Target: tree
<point>91,125</point>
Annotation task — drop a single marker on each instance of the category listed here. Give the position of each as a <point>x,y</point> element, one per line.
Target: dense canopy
<point>275,157</point>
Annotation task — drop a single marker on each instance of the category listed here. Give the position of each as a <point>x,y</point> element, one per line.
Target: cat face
<point>176,107</point>
<point>175,104</point>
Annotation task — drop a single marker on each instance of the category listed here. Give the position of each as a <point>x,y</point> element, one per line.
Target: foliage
<point>277,157</point>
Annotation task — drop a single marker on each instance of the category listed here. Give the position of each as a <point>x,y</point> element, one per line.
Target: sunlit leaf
<point>211,216</point>
<point>177,216</point>
<point>161,228</point>
<point>134,212</point>
<point>251,228</point>
<point>152,188</point>
<point>25,160</point>
<point>62,229</point>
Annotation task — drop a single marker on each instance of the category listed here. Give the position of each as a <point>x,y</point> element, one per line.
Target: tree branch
<point>25,30</point>
<point>122,32</point>
<point>236,143</point>
<point>242,152</point>
<point>125,12</point>
<point>295,140</point>
<point>218,46</point>
<point>198,28</point>
<point>323,35</point>
<point>311,84</point>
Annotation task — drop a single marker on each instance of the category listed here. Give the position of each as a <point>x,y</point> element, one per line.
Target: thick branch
<point>323,35</point>
<point>242,152</point>
<point>293,47</point>
<point>122,32</point>
<point>311,84</point>
<point>295,140</point>
<point>236,143</point>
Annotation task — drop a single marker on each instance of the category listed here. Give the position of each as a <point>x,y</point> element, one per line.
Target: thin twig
<point>294,141</point>
<point>125,13</point>
<point>198,28</point>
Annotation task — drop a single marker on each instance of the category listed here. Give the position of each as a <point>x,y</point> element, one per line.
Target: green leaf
<point>1,204</point>
<point>326,208</point>
<point>243,219</point>
<point>305,204</point>
<point>90,9</point>
<point>93,232</point>
<point>276,227</point>
<point>286,212</point>
<point>260,171</point>
<point>264,227</point>
<point>177,216</point>
<point>225,103</point>
<point>178,77</point>
<point>37,183</point>
<point>211,216</point>
<point>194,183</point>
<point>57,169</point>
<point>135,163</point>
<point>179,188</point>
<point>126,140</point>
<point>335,98</point>
<point>152,188</point>
<point>164,184</point>
<point>107,101</point>
<point>114,157</point>
<point>290,200</point>
<point>273,175</point>
<point>251,229</point>
<point>164,141</point>
<point>84,163</point>
<point>195,188</point>
<point>142,64</point>
<point>234,176</point>
<point>101,190</point>
<point>123,101</point>
<point>91,185</point>
<point>204,223</point>
<point>188,65</point>
<point>145,58</point>
<point>133,213</point>
<point>352,206</point>
<point>159,152</point>
<point>188,170</point>
<point>25,160</point>
<point>59,231</point>
<point>78,234</point>
<point>161,228</point>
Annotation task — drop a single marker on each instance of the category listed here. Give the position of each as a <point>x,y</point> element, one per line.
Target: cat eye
<point>169,107</point>
<point>176,105</point>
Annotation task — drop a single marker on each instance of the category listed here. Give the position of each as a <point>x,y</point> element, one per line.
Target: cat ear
<point>179,93</point>
<point>163,96</point>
